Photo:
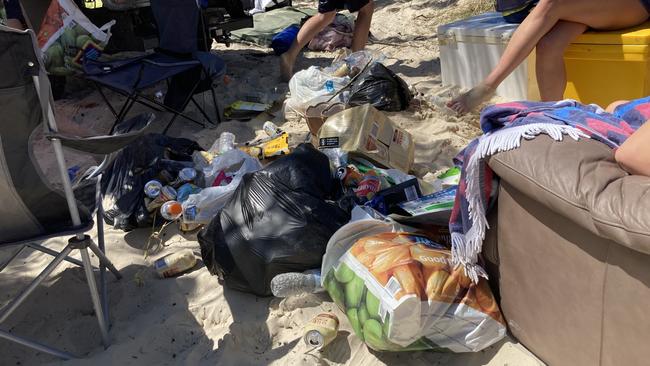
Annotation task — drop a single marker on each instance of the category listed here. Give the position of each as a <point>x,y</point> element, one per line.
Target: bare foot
<point>468,101</point>
<point>286,67</point>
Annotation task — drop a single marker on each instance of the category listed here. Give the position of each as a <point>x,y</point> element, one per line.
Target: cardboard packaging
<point>369,133</point>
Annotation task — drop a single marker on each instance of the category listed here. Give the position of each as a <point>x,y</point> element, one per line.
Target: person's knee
<point>550,7</point>
<point>612,107</point>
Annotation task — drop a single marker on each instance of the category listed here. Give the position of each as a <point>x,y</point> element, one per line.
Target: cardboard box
<point>368,132</point>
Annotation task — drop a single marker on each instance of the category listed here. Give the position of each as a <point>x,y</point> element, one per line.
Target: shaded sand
<point>193,319</point>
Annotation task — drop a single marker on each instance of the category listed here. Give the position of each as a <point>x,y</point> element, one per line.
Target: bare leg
<point>599,14</point>
<point>307,32</point>
<point>612,107</point>
<point>634,154</point>
<point>362,27</point>
<point>550,68</point>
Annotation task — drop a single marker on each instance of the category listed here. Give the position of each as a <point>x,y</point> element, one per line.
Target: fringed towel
<point>504,126</point>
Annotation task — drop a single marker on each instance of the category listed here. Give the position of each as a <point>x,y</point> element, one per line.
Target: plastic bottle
<point>271,128</point>
<point>295,283</point>
<point>224,143</point>
<point>175,263</point>
<point>171,210</point>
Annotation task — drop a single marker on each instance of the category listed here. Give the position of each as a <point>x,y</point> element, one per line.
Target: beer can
<point>321,330</point>
<point>152,188</point>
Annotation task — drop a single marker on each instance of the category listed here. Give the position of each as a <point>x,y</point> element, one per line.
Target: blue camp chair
<point>177,61</point>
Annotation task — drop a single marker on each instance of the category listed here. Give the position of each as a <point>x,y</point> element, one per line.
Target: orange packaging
<point>400,291</point>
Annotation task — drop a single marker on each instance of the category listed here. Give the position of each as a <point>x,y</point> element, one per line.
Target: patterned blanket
<point>504,126</point>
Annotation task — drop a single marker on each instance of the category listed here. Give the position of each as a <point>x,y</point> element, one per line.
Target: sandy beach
<point>192,319</point>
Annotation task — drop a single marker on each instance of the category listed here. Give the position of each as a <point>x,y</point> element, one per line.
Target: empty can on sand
<point>321,330</point>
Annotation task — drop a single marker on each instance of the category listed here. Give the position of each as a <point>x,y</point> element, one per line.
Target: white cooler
<point>471,47</point>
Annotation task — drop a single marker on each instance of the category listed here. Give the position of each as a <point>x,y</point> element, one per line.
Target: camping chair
<point>32,211</point>
<point>177,61</point>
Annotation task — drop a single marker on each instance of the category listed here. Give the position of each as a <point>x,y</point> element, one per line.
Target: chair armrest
<point>125,133</point>
<point>581,181</point>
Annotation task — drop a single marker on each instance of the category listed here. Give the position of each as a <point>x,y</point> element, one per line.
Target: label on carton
<point>329,142</point>
<point>400,138</point>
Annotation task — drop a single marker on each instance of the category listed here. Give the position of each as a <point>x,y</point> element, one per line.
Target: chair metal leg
<point>103,289</point>
<point>5,264</point>
<point>37,346</point>
<point>94,295</point>
<point>104,260</point>
<point>216,106</point>
<point>13,305</point>
<point>53,253</point>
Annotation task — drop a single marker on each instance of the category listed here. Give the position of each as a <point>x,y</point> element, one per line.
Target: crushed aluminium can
<point>321,330</point>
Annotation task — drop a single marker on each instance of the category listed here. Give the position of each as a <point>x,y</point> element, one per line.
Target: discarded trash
<point>436,202</point>
<point>184,191</point>
<point>175,263</point>
<point>366,131</point>
<point>449,178</point>
<point>382,88</point>
<point>67,36</point>
<point>171,210</point>
<point>152,188</point>
<point>203,206</point>
<point>242,110</point>
<point>267,148</point>
<point>401,292</point>
<point>321,330</point>
<point>295,283</point>
<point>223,144</point>
<point>184,176</point>
<point>271,129</point>
<point>278,220</point>
<point>167,193</point>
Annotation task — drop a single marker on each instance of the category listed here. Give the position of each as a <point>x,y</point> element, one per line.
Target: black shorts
<point>326,6</point>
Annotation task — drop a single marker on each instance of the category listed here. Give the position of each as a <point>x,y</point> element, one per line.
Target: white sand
<point>193,319</point>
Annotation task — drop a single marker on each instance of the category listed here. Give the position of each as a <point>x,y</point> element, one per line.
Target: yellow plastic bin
<point>603,67</point>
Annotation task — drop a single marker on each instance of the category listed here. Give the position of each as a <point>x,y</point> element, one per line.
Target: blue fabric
<point>123,74</point>
<point>282,41</point>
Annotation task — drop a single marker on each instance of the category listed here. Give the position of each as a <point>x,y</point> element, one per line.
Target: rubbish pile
<point>351,80</point>
<point>341,214</point>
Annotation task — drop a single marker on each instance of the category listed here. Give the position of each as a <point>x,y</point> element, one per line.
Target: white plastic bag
<point>67,36</point>
<point>202,207</point>
<point>306,86</point>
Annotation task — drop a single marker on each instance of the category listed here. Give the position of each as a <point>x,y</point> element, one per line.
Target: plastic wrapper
<point>201,208</point>
<point>309,86</point>
<point>379,86</point>
<point>278,220</point>
<point>66,37</point>
<point>400,291</point>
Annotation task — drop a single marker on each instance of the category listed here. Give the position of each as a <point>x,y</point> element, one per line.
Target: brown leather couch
<point>569,250</point>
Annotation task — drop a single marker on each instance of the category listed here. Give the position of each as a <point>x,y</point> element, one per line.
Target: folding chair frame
<point>79,242</point>
<point>137,97</point>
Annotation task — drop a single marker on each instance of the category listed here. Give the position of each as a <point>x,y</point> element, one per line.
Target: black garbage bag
<point>141,161</point>
<point>278,220</point>
<point>379,86</point>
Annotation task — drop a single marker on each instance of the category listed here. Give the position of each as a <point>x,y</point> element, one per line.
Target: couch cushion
<point>581,181</point>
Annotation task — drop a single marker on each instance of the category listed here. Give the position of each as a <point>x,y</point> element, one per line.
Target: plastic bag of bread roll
<point>400,291</point>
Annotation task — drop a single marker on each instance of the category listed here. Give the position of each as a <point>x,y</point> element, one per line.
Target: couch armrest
<point>581,181</point>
